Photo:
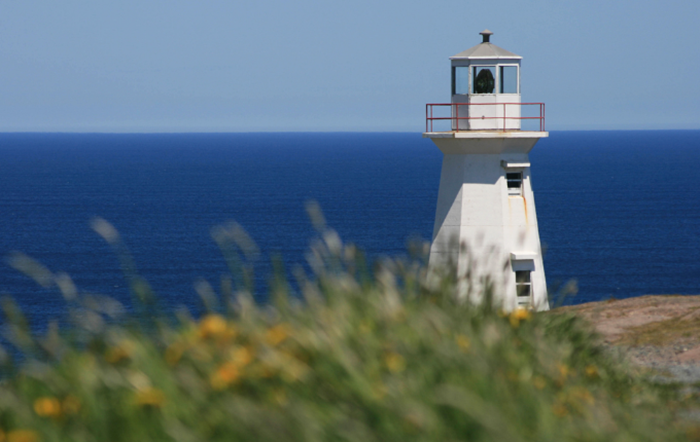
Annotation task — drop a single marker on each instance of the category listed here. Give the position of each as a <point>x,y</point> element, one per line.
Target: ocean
<point>617,210</point>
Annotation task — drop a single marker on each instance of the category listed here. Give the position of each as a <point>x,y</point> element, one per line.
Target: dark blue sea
<point>618,211</point>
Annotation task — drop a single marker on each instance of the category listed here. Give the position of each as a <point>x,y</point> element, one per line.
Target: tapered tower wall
<point>481,225</point>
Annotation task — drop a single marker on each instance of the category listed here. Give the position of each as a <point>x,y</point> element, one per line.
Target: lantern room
<point>486,88</point>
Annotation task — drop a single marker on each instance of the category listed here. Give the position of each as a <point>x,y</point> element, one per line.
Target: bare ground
<point>659,332</point>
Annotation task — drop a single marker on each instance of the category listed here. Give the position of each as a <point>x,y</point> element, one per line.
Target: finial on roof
<point>486,34</point>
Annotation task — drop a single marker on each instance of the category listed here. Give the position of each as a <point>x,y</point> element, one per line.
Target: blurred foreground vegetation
<point>352,355</point>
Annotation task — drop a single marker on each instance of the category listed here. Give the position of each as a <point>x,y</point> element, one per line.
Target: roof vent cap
<point>486,34</point>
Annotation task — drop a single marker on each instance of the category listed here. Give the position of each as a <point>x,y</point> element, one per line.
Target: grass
<point>662,332</point>
<point>351,355</point>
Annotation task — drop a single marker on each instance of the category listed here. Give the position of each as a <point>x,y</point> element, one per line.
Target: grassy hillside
<point>352,355</point>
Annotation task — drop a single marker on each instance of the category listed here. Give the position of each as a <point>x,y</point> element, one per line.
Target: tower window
<point>484,79</point>
<point>514,181</point>
<point>523,286</point>
<point>460,80</point>
<point>509,80</point>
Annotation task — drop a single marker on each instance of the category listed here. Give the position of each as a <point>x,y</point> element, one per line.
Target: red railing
<point>455,118</point>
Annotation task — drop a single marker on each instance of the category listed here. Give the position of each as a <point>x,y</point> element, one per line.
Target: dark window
<point>484,79</point>
<point>515,183</point>
<point>523,284</point>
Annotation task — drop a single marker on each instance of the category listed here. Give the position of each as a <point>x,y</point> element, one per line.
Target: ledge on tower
<point>482,134</point>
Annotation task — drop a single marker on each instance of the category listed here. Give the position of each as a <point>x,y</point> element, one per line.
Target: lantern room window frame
<point>473,75</point>
<point>458,85</point>
<point>500,77</point>
<point>472,68</point>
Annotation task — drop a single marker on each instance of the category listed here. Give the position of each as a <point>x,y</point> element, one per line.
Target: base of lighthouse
<point>485,222</point>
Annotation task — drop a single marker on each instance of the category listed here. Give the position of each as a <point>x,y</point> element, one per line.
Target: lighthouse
<point>485,221</point>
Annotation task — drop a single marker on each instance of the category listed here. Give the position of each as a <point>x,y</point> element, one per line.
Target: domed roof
<point>485,50</point>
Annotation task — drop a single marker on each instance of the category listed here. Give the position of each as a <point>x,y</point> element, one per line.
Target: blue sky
<point>312,65</point>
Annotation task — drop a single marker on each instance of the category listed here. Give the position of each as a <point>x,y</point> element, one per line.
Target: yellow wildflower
<point>563,370</point>
<point>394,362</point>
<point>592,371</point>
<point>22,436</point>
<point>70,405</point>
<point>118,353</point>
<point>224,376</point>
<point>47,407</point>
<point>463,342</point>
<point>518,315</point>
<point>277,334</point>
<point>151,397</point>
<point>583,395</point>
<point>539,382</point>
<point>241,356</point>
<point>174,352</point>
<point>213,325</point>
<point>2,436</point>
<point>560,410</point>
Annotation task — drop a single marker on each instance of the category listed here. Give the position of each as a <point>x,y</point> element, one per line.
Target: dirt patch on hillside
<point>661,332</point>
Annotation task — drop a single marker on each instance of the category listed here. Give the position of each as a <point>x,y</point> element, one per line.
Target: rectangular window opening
<point>484,80</point>
<point>515,183</point>
<point>509,80</point>
<point>460,80</point>
<point>523,286</point>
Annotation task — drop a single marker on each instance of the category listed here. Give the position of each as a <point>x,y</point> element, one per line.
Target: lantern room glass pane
<point>484,79</point>
<point>509,79</point>
<point>460,80</point>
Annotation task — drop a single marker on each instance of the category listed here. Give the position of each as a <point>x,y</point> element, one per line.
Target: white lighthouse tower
<point>485,222</point>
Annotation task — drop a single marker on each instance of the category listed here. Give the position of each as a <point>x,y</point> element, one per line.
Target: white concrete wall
<point>478,226</point>
<point>488,107</point>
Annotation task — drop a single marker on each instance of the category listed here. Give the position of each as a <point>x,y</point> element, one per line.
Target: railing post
<point>504,117</point>
<point>542,121</point>
<point>457,114</point>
